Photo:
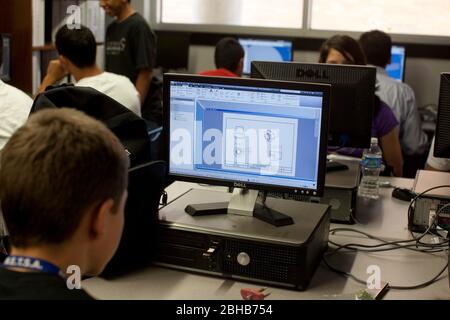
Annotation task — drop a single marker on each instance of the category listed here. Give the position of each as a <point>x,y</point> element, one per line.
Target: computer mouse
<point>403,194</point>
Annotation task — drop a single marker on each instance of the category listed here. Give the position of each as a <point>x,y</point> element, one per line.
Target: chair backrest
<point>126,125</point>
<point>145,186</point>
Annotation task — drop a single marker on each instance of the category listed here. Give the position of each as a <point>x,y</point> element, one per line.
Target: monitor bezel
<point>161,61</point>
<point>440,149</point>
<point>357,141</point>
<point>291,41</point>
<point>7,78</point>
<point>244,82</point>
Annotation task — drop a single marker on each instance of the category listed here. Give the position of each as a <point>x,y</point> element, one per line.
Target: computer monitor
<point>248,134</point>
<point>396,69</point>
<point>265,50</point>
<point>173,50</point>
<point>442,140</point>
<point>5,68</point>
<point>352,97</point>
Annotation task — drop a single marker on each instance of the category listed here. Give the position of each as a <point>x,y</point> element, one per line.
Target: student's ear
<point>63,60</point>
<point>99,218</point>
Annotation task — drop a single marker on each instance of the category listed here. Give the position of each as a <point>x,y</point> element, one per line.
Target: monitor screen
<point>173,50</point>
<point>396,69</point>
<point>246,133</point>
<point>442,142</point>
<point>5,68</point>
<point>265,50</point>
<point>352,97</point>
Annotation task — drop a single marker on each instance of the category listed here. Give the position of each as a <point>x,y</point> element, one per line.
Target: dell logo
<point>239,185</point>
<point>309,73</point>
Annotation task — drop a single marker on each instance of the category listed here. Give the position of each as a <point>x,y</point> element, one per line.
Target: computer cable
<point>418,286</point>
<point>413,201</point>
<point>444,247</point>
<point>400,244</point>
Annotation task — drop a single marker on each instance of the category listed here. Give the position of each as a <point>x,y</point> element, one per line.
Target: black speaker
<point>136,249</point>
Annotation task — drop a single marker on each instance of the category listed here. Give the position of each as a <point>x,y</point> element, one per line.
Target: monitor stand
<point>243,202</point>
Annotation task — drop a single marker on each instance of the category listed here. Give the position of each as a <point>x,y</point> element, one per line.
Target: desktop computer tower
<point>341,191</point>
<point>429,204</point>
<point>244,248</point>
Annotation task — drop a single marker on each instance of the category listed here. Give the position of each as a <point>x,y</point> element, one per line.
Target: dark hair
<point>377,47</point>
<point>347,46</point>
<point>78,45</point>
<point>54,169</point>
<point>1,50</point>
<point>228,54</point>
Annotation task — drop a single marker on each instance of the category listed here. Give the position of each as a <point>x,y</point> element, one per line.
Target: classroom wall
<point>421,74</point>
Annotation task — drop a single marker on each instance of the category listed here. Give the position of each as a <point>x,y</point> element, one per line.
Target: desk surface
<point>385,218</point>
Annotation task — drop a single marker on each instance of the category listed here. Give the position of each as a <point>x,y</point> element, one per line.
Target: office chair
<point>127,126</point>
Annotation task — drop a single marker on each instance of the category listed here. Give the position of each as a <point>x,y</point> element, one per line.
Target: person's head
<point>114,8</point>
<point>342,49</point>
<point>377,47</point>
<point>63,182</point>
<point>229,55</point>
<point>76,47</point>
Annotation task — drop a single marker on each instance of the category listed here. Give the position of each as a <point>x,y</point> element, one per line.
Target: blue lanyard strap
<point>33,264</point>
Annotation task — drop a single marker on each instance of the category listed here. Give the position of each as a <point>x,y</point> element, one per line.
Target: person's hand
<point>55,71</point>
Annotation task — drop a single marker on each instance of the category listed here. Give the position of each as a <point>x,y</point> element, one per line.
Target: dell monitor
<point>352,96</point>
<point>396,69</point>
<point>173,50</point>
<point>5,67</point>
<point>247,134</point>
<point>442,140</point>
<point>265,50</point>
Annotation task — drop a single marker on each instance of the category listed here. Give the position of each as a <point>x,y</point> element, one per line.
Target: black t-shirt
<point>129,46</point>
<point>36,286</point>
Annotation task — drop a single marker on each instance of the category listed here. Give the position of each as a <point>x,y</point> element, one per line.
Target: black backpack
<point>124,123</point>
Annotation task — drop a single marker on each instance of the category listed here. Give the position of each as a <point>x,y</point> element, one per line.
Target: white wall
<point>421,74</point>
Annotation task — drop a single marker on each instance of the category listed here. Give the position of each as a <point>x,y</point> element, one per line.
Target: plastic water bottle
<point>371,167</point>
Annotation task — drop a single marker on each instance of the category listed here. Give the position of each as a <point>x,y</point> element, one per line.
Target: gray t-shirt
<point>129,46</point>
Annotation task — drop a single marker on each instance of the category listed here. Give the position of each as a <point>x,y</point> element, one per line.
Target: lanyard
<point>33,264</point>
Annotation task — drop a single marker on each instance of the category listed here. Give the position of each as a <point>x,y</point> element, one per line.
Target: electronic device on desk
<point>5,67</point>
<point>442,142</point>
<point>265,50</point>
<point>251,135</point>
<point>172,50</point>
<point>427,205</point>
<point>341,191</point>
<point>396,69</point>
<point>352,96</point>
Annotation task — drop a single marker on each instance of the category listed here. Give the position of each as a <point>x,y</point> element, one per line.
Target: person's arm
<point>55,73</point>
<point>392,151</point>
<point>414,139</point>
<point>143,81</point>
